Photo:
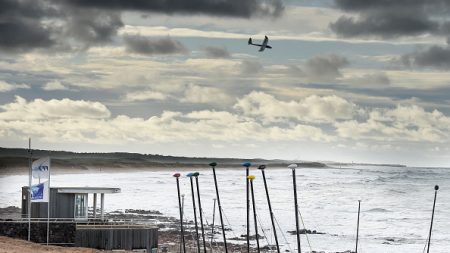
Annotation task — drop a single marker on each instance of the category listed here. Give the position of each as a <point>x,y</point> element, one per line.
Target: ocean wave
<point>378,210</point>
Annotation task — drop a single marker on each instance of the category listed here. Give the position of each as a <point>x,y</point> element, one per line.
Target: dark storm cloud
<point>216,52</point>
<point>21,27</point>
<point>237,8</point>
<point>93,26</point>
<point>47,24</point>
<point>434,57</point>
<point>142,45</point>
<point>392,18</point>
<point>77,24</point>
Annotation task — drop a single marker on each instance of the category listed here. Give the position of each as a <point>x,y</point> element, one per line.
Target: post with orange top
<point>213,166</point>
<point>196,174</point>
<point>190,175</point>
<point>251,178</point>
<point>183,245</point>
<point>297,229</point>
<point>262,167</point>
<point>247,173</point>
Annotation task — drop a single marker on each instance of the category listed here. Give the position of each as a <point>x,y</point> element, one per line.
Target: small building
<point>71,223</point>
<point>69,203</point>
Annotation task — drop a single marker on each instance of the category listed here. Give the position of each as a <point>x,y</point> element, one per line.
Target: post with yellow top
<point>250,178</point>
<point>247,173</point>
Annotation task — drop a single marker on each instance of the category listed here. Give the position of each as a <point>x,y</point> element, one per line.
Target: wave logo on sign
<point>41,168</point>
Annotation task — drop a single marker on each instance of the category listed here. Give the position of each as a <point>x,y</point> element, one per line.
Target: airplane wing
<point>264,45</point>
<point>266,40</point>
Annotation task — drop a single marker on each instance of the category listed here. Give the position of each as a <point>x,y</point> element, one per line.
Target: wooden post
<point>183,245</point>
<point>213,166</point>
<point>436,188</point>
<point>357,226</point>
<point>247,173</point>
<point>250,178</point>
<point>262,167</point>
<point>297,229</point>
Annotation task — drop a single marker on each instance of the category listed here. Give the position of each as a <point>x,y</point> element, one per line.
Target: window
<point>81,206</point>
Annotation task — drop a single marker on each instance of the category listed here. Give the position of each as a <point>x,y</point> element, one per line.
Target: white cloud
<point>403,123</point>
<point>313,108</point>
<point>90,122</point>
<point>205,95</point>
<point>145,95</point>
<point>4,86</point>
<point>54,85</point>
<point>39,109</point>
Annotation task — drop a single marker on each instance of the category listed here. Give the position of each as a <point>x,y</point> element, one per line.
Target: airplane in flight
<point>261,47</point>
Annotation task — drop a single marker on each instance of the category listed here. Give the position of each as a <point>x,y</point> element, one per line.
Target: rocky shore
<point>169,236</point>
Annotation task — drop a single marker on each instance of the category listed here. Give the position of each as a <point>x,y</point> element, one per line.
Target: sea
<point>396,203</point>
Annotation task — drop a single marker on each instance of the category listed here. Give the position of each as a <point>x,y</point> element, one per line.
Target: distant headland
<point>17,159</point>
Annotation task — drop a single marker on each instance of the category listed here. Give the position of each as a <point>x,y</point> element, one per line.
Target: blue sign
<point>37,192</point>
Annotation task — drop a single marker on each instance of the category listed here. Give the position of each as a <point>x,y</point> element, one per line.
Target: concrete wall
<point>59,232</point>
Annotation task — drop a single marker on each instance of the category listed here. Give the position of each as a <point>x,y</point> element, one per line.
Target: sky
<point>346,80</point>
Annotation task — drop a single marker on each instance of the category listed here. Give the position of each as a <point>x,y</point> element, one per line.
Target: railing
<point>90,222</point>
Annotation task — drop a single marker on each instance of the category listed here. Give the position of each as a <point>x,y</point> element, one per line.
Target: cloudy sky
<point>346,80</point>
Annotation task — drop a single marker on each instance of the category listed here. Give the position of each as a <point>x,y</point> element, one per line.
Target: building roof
<point>87,189</point>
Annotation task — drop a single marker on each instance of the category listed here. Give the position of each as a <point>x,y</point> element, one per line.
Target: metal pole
<point>436,188</point>
<point>196,174</point>
<point>213,166</point>
<point>297,230</point>
<point>48,203</point>
<point>177,175</point>
<point>250,178</point>
<point>212,226</point>
<point>247,165</point>
<point>30,152</point>
<point>357,226</point>
<point>182,211</point>
<point>262,167</point>
<point>190,175</point>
